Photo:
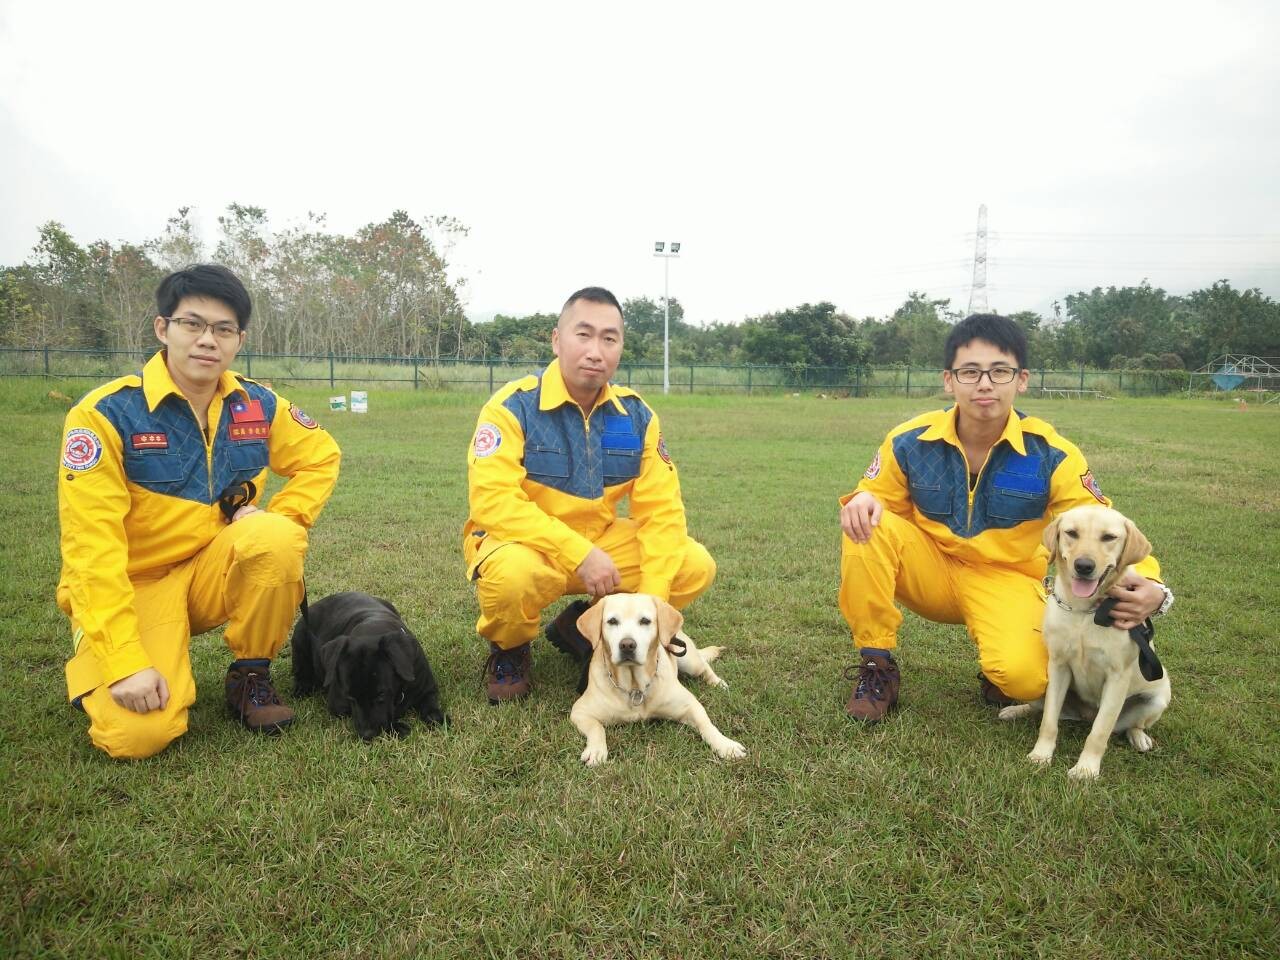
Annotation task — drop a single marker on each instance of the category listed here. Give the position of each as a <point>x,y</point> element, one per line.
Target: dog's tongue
<point>1083,588</point>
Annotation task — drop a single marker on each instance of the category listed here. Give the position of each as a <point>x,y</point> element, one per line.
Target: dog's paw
<point>1084,770</point>
<point>594,756</point>
<point>1040,756</point>
<point>730,750</point>
<point>1140,740</point>
<point>1014,712</point>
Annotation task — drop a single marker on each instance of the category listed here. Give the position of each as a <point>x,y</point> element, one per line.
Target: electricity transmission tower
<point>978,292</point>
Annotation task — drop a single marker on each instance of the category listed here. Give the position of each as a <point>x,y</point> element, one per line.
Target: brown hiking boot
<point>253,700</point>
<point>993,695</point>
<point>875,691</point>
<point>507,673</point>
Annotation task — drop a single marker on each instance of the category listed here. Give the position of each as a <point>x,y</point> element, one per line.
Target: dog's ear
<point>330,654</point>
<point>670,620</point>
<point>400,654</point>
<point>1136,545</point>
<point>591,623</point>
<point>1050,538</point>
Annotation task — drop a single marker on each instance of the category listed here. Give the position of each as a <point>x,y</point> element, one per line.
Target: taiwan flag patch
<point>247,411</point>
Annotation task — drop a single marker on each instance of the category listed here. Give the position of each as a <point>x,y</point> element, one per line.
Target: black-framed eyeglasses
<point>196,327</point>
<point>997,374</point>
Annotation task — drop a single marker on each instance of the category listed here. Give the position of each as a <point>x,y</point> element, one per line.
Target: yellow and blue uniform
<point>148,557</point>
<point>545,482</point>
<point>960,553</point>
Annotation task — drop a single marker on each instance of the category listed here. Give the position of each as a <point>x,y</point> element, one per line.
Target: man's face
<point>588,341</point>
<point>984,401</point>
<point>197,360</point>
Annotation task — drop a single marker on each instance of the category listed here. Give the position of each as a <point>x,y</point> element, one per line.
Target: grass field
<point>928,836</point>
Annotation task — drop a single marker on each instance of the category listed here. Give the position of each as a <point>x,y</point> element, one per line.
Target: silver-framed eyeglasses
<point>999,374</point>
<point>196,327</point>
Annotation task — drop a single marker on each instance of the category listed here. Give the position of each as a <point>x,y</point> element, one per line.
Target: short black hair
<point>210,280</point>
<point>991,327</point>
<point>592,295</point>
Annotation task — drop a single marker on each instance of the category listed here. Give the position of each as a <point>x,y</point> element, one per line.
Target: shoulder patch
<point>1090,484</point>
<point>873,470</point>
<point>487,440</point>
<point>662,450</point>
<point>301,417</point>
<point>82,450</point>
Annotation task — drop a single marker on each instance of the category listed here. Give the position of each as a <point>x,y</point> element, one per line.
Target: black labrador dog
<point>357,649</point>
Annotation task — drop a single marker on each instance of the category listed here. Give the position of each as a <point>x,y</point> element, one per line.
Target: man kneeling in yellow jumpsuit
<point>552,458</point>
<point>948,520</point>
<point>161,534</point>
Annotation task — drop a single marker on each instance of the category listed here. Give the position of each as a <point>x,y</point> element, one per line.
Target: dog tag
<point>636,697</point>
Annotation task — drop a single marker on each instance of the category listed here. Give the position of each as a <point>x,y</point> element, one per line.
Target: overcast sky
<point>799,152</point>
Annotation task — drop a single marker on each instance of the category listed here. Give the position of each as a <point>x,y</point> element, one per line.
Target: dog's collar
<point>1050,586</point>
<point>635,695</point>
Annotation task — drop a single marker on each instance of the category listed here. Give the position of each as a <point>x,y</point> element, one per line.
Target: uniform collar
<point>945,429</point>
<point>556,394</point>
<point>158,384</point>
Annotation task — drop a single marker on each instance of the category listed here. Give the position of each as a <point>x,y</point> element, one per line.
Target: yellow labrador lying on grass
<point>1091,547</point>
<point>636,653</point>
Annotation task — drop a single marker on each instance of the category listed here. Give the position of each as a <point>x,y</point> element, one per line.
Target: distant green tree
<point>1234,321</point>
<point>808,335</point>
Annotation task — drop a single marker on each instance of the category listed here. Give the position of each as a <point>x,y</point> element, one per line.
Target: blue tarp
<point>1227,378</point>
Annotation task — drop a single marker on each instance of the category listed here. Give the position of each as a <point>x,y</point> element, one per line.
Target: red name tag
<point>149,441</point>
<point>249,431</point>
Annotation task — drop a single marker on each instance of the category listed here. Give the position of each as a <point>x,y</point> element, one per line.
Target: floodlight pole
<point>666,309</point>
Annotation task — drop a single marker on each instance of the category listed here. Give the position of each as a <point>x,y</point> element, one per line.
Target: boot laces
<point>870,676</point>
<point>507,665</point>
<point>258,689</point>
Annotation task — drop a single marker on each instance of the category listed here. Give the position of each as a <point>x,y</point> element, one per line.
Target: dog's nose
<point>1085,567</point>
<point>627,647</point>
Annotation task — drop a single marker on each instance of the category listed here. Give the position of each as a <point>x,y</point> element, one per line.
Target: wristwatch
<point>1166,603</point>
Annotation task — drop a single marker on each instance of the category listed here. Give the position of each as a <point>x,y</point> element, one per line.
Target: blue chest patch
<point>1012,489</point>
<point>562,453</point>
<point>181,467</point>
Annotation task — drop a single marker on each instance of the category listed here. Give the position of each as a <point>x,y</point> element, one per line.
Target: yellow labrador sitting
<point>1091,547</point>
<point>636,654</point>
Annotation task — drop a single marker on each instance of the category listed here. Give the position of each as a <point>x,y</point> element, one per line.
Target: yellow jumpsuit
<point>545,483</point>
<point>956,555</point>
<point>148,557</point>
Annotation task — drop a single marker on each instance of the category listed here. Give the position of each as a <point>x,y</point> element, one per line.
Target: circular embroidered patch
<point>302,418</point>
<point>488,439</point>
<point>82,451</point>
<point>873,471</point>
<point>662,450</point>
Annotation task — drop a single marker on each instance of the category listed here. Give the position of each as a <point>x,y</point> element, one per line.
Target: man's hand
<point>860,516</point>
<point>141,692</point>
<point>598,573</point>
<point>244,511</point>
<point>1137,598</point>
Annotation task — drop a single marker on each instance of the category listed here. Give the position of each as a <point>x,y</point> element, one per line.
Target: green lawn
<point>927,836</point>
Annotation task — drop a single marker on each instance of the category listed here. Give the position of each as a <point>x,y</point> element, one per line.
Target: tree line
<point>385,291</point>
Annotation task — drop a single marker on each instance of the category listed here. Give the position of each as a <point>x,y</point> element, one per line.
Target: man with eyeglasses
<point>948,518</point>
<point>162,536</point>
